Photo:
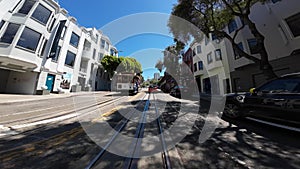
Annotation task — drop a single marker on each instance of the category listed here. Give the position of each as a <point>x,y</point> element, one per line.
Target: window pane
<point>195,67</point>
<point>253,46</point>
<point>102,44</point>
<point>70,59</point>
<point>63,32</point>
<point>94,53</point>
<point>232,26</point>
<point>28,4</point>
<point>92,68</point>
<point>236,54</point>
<point>100,56</point>
<point>200,65</point>
<point>97,38</point>
<point>41,14</point>
<point>206,40</point>
<point>29,39</point>
<point>1,24</point>
<point>199,49</point>
<point>294,24</point>
<point>44,47</point>
<point>56,54</point>
<point>112,52</point>
<point>106,46</point>
<point>213,36</point>
<point>209,58</point>
<point>218,54</point>
<point>52,24</point>
<point>74,39</point>
<point>10,33</point>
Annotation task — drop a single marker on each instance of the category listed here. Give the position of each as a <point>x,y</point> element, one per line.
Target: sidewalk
<point>208,97</point>
<point>15,98</point>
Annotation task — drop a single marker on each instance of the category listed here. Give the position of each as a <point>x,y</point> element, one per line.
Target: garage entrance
<point>4,74</point>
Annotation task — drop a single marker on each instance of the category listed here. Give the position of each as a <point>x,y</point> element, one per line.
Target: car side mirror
<point>252,90</point>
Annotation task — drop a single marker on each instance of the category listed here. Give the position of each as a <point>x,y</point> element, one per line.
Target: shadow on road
<point>237,144</point>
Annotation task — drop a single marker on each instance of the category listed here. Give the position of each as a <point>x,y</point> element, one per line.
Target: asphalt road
<point>71,142</point>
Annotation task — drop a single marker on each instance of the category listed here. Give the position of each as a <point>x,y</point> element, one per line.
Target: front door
<point>206,86</point>
<point>198,80</point>
<point>50,82</point>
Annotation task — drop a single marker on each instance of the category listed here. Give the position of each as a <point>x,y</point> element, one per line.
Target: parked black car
<point>277,101</point>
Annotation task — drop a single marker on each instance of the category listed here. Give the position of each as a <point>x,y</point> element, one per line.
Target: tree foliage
<point>172,54</point>
<point>159,65</point>
<point>110,64</point>
<point>211,17</point>
<point>121,64</point>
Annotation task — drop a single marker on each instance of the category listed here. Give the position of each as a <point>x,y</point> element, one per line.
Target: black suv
<point>276,101</point>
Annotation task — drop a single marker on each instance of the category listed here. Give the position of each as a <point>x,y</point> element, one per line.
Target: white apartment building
<point>92,76</point>
<point>42,47</point>
<point>278,21</point>
<point>211,68</point>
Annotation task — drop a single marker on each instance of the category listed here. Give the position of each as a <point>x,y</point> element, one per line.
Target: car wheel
<point>231,110</point>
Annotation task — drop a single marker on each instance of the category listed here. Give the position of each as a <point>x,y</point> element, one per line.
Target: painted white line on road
<point>44,121</point>
<point>274,124</point>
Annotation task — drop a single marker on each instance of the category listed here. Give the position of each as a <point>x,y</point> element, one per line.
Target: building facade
<point>279,22</point>
<point>218,69</point>
<point>210,66</point>
<point>43,48</point>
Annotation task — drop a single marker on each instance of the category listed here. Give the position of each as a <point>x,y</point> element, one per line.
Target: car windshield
<point>282,86</point>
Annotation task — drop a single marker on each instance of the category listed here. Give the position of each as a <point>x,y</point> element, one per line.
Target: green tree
<point>211,16</point>
<point>121,64</point>
<point>154,81</point>
<point>170,61</point>
<point>136,66</point>
<point>110,64</point>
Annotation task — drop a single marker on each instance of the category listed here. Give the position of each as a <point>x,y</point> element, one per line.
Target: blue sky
<point>145,47</point>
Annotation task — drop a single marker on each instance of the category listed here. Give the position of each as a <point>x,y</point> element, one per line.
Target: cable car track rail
<point>131,161</point>
<point>164,153</point>
<point>119,128</point>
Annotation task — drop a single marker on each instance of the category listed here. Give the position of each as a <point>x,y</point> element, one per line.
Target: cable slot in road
<point>135,148</point>
<point>118,129</point>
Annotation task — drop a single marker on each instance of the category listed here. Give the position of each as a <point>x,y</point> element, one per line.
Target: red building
<point>188,58</point>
